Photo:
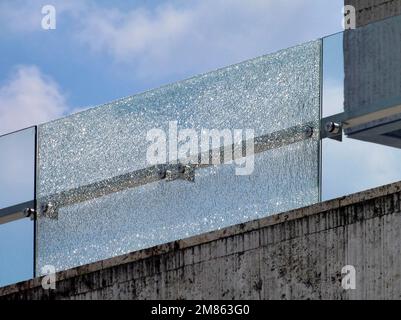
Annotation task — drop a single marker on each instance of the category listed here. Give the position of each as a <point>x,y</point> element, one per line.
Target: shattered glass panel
<point>99,197</point>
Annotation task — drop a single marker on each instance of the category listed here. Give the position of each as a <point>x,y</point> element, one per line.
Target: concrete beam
<point>295,255</point>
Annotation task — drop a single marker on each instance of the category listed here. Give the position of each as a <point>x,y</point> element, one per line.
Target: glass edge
<point>320,141</point>
<point>35,224</point>
<point>18,131</point>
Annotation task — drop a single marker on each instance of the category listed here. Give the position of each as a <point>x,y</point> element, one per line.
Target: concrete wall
<point>373,10</point>
<point>372,67</point>
<point>295,255</point>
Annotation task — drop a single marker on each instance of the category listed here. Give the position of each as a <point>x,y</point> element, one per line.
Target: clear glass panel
<point>17,171</point>
<point>333,75</point>
<point>17,167</point>
<point>361,71</point>
<point>91,204</point>
<point>16,251</point>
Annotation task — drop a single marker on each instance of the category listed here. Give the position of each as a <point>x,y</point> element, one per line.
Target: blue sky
<point>103,50</point>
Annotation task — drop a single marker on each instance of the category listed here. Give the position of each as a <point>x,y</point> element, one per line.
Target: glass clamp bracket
<point>332,127</point>
<point>17,212</point>
<point>335,126</point>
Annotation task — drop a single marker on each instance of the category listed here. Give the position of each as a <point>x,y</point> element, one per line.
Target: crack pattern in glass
<point>81,154</point>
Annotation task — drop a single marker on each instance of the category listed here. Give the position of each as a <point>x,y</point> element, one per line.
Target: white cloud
<point>179,36</point>
<point>333,97</point>
<point>200,35</point>
<point>29,97</point>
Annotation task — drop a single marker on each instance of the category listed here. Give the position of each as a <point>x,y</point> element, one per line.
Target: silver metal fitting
<point>48,210</point>
<point>162,173</point>
<point>180,172</point>
<point>333,127</point>
<point>308,132</point>
<point>29,212</point>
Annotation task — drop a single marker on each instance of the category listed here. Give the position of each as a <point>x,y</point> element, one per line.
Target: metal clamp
<point>50,205</point>
<point>178,171</point>
<point>332,127</point>
<point>29,213</point>
<point>48,210</point>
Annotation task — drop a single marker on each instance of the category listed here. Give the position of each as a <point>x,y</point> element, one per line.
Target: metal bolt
<point>333,128</point>
<point>309,132</point>
<point>28,212</point>
<point>44,208</point>
<point>162,173</point>
<point>47,208</point>
<point>180,169</point>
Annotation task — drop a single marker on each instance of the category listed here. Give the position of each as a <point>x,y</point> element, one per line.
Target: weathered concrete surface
<point>373,10</point>
<point>295,255</point>
<point>372,67</point>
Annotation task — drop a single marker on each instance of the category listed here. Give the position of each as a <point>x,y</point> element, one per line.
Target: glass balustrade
<point>100,194</point>
<point>361,81</point>
<point>275,133</point>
